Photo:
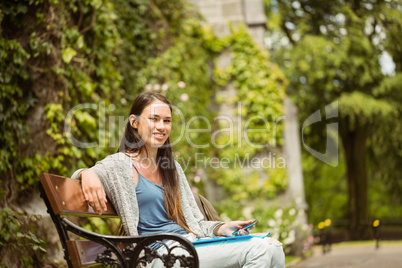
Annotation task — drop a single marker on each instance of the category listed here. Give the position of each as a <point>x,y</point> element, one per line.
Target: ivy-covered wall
<point>70,69</point>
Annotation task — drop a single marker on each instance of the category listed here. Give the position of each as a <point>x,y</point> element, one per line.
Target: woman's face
<point>154,124</point>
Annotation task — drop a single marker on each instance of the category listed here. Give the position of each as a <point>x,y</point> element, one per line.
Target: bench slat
<point>83,253</point>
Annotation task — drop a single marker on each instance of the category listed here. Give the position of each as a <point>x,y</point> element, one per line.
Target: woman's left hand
<point>229,228</point>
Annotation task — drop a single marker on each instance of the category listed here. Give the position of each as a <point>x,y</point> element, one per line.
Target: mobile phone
<point>248,226</point>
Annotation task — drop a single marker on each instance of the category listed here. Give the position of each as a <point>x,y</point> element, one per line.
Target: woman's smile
<point>159,136</point>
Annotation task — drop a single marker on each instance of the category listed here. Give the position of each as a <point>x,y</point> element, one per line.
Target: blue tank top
<point>153,215</point>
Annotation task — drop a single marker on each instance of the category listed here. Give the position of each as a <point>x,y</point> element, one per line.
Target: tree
<point>331,52</point>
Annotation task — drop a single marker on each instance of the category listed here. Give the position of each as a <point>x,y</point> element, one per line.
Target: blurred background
<point>284,111</point>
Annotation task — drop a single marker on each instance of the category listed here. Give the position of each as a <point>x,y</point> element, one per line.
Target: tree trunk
<point>354,143</point>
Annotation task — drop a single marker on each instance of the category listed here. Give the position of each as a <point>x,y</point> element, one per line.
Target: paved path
<point>389,255</point>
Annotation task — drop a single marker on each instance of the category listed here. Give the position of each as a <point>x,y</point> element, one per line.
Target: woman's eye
<point>153,119</point>
<point>167,121</point>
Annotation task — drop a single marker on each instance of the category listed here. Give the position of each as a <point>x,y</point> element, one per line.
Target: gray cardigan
<point>116,175</point>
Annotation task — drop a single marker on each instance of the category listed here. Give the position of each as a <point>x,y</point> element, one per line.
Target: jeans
<point>255,252</point>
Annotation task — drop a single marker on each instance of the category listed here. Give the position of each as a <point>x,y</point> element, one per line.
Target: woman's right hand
<point>93,190</point>
<point>228,228</point>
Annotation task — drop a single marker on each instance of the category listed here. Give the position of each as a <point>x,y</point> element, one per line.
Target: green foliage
<point>385,154</point>
<point>17,232</point>
<point>12,110</point>
<point>327,190</point>
<point>69,49</point>
<point>103,226</point>
<point>148,29</point>
<point>328,71</point>
<point>255,76</point>
<point>93,80</point>
<point>365,107</point>
<point>87,73</point>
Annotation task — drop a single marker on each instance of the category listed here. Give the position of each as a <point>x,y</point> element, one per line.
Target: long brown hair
<point>132,142</point>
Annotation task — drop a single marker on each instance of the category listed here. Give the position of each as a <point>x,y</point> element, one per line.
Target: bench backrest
<point>66,197</point>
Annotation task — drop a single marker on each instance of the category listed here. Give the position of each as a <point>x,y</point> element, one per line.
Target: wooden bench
<point>64,197</point>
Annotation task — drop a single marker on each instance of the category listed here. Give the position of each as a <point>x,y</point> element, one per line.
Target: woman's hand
<point>93,190</point>
<point>229,228</point>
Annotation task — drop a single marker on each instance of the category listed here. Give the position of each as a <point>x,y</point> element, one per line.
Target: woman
<point>150,192</point>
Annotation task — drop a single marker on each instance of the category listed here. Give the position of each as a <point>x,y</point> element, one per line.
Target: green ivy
<point>14,104</point>
<point>17,233</point>
<point>74,43</point>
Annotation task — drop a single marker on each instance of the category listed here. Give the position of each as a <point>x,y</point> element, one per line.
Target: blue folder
<point>228,238</point>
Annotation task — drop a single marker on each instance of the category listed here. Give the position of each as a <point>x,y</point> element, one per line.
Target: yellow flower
<point>321,225</point>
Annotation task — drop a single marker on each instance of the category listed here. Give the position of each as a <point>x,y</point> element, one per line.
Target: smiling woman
<point>151,194</point>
